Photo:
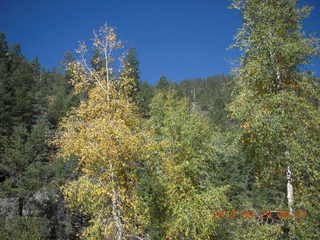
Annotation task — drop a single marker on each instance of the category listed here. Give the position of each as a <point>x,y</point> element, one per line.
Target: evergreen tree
<point>29,99</point>
<point>16,89</point>
<point>25,228</point>
<point>212,94</point>
<point>57,95</point>
<point>131,61</point>
<point>131,71</point>
<point>147,92</point>
<point>163,83</point>
<point>25,162</point>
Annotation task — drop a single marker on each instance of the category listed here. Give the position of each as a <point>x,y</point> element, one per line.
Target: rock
<point>9,207</point>
<point>36,204</point>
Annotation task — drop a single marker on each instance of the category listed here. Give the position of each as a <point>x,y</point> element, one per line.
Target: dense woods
<point>89,151</point>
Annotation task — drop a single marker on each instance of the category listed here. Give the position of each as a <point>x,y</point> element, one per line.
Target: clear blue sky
<point>180,39</point>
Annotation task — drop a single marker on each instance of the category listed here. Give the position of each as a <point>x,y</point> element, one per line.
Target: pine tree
<point>24,162</point>
<point>131,61</point>
<point>16,89</point>
<point>147,92</point>
<point>163,83</point>
<point>131,70</point>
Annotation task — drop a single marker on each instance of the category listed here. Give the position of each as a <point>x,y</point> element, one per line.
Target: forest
<point>90,151</point>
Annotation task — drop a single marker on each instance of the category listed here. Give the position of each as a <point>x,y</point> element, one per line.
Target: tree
<point>275,101</point>
<point>24,228</point>
<point>55,95</point>
<point>25,163</point>
<point>186,194</point>
<point>16,89</point>
<point>105,133</point>
<point>131,70</point>
<point>23,146</point>
<point>212,94</point>
<point>163,83</point>
<point>147,92</point>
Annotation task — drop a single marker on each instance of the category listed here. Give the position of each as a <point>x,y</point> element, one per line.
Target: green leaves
<point>275,101</point>
<point>25,160</point>
<point>185,169</point>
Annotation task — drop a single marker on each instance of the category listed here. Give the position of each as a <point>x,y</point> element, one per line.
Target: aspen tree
<point>106,135</point>
<point>275,100</point>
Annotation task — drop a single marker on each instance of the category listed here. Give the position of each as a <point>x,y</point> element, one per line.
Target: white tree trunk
<point>116,213</point>
<point>290,191</point>
<point>106,59</point>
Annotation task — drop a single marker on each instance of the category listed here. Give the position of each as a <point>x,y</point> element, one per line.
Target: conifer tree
<point>131,70</point>
<point>24,162</point>
<point>163,83</point>
<point>16,88</point>
<point>147,92</point>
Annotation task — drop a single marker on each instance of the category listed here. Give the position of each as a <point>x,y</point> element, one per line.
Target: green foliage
<point>212,94</point>
<point>163,83</point>
<point>275,103</point>
<point>147,92</point>
<point>31,102</point>
<point>24,161</point>
<point>188,194</point>
<point>25,228</point>
<point>243,229</point>
<point>131,70</point>
<point>163,176</point>
<point>16,89</point>
<point>57,95</point>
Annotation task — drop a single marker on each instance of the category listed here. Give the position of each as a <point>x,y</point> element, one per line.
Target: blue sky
<point>180,39</point>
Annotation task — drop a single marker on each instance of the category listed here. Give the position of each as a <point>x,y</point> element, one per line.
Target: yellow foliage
<point>107,136</point>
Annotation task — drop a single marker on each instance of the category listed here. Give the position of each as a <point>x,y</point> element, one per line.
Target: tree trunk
<point>290,191</point>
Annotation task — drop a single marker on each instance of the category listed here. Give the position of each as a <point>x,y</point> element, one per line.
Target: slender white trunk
<point>115,207</point>
<point>106,57</point>
<point>290,191</point>
<point>276,65</point>
<point>116,214</point>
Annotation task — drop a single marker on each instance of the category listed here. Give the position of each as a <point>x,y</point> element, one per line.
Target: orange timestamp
<point>264,214</point>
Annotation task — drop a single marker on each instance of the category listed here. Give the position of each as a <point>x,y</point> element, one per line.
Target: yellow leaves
<point>245,125</point>
<point>103,134</point>
<point>112,36</point>
<point>51,100</point>
<point>265,111</point>
<point>107,136</point>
